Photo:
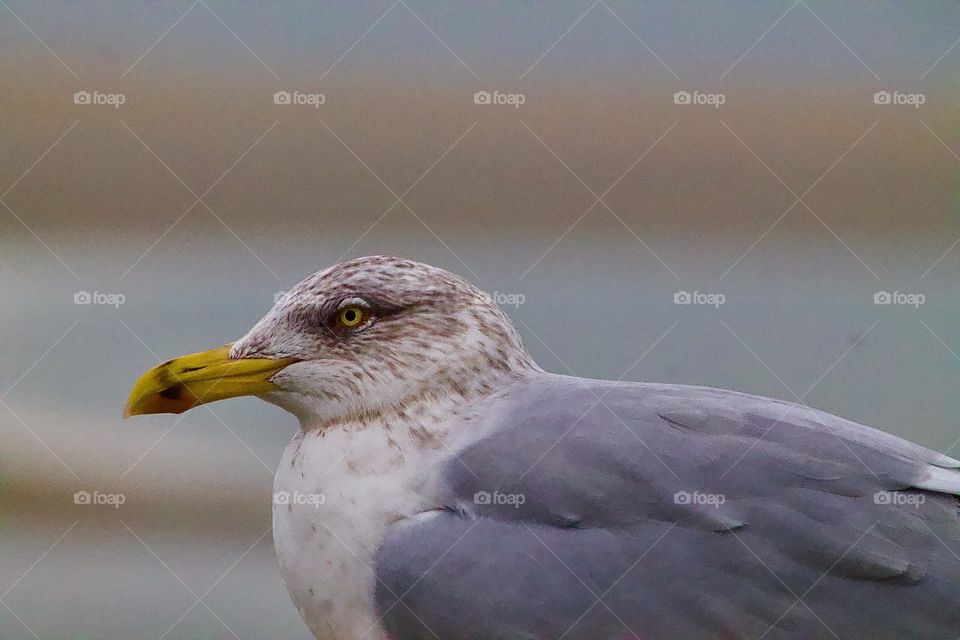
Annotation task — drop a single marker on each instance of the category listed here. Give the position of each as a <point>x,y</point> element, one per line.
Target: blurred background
<point>760,196</point>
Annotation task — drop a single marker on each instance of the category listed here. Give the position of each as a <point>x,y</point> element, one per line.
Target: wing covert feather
<point>666,511</point>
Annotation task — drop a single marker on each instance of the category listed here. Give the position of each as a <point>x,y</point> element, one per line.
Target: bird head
<point>351,341</point>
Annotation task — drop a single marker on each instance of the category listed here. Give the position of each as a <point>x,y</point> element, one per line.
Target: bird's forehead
<point>384,274</point>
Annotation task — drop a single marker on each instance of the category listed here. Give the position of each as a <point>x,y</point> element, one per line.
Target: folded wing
<point>599,510</point>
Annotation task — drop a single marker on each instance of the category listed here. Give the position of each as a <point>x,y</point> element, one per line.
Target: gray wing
<point>668,512</point>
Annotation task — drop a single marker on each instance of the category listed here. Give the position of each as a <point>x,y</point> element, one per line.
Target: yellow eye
<point>351,317</point>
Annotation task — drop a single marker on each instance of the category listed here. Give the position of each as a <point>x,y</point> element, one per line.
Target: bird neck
<point>430,409</point>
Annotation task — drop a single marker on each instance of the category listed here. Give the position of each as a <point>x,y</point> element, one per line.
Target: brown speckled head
<point>378,332</point>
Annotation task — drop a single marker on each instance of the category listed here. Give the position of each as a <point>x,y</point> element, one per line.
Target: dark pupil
<point>350,315</point>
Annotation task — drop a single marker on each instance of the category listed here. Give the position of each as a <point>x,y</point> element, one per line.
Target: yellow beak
<point>188,381</point>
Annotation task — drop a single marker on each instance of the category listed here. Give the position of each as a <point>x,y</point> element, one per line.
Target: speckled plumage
<point>379,410</point>
<point>432,334</point>
<point>406,420</point>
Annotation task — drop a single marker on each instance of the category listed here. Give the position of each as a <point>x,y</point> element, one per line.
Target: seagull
<point>443,486</point>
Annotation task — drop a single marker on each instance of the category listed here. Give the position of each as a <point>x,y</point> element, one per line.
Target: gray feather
<point>799,525</point>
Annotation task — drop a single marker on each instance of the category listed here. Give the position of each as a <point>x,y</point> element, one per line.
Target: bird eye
<point>351,317</point>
